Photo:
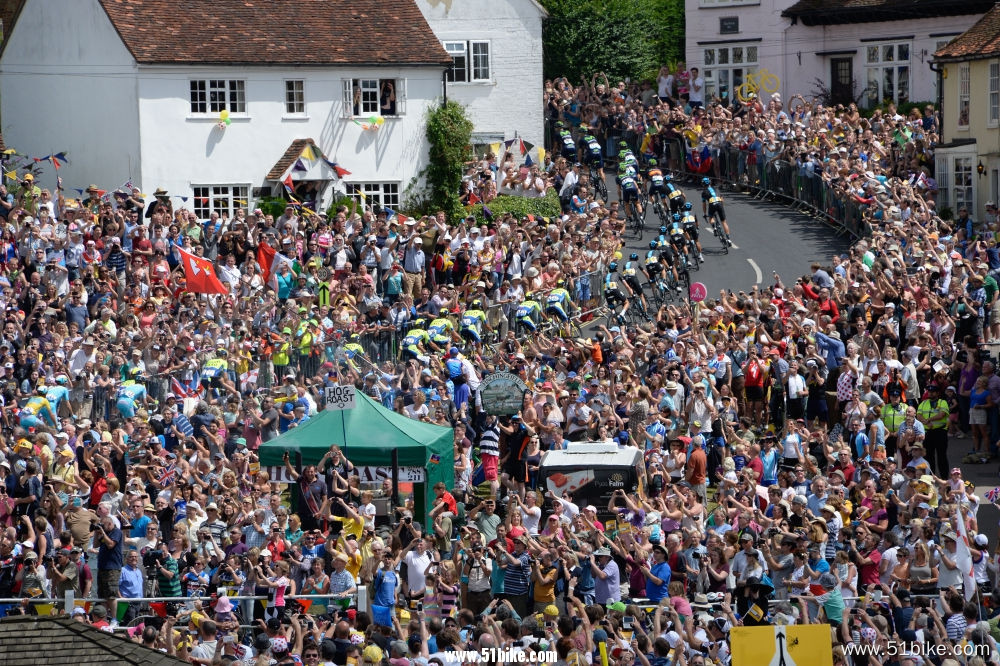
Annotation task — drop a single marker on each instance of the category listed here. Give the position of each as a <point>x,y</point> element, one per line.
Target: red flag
<point>341,171</point>
<point>473,199</point>
<point>158,607</point>
<point>523,149</point>
<point>265,259</point>
<point>287,182</point>
<point>402,218</point>
<point>200,275</point>
<point>55,162</point>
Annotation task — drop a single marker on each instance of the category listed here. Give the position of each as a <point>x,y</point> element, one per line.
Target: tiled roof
<point>833,12</point>
<point>275,32</point>
<point>30,639</point>
<point>982,40</point>
<point>293,153</point>
<point>9,9</point>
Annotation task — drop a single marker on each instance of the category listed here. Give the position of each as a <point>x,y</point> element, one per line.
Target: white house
<point>135,90</point>
<point>870,51</point>
<point>496,72</point>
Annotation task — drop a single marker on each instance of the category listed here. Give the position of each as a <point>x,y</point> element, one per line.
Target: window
<point>725,68</point>
<point>962,183</point>
<point>215,95</point>
<point>994,93</point>
<point>963,95</point>
<point>295,97</point>
<point>375,194</point>
<point>888,67</point>
<point>727,3</point>
<point>470,61</point>
<point>221,199</point>
<point>374,97</point>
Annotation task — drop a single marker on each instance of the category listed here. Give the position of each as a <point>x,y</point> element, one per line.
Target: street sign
<point>376,473</point>
<point>699,292</point>
<point>502,393</point>
<point>792,645</point>
<point>323,295</point>
<point>339,398</point>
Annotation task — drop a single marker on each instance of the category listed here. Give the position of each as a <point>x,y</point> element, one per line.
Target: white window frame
<point>364,111</point>
<point>964,192</point>
<point>466,51</point>
<point>219,199</point>
<point>993,117</point>
<point>964,90</point>
<point>295,97</point>
<point>878,62</point>
<point>726,3</point>
<point>208,97</point>
<point>388,193</point>
<point>720,67</point>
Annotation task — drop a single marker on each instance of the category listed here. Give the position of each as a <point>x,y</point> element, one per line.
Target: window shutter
<point>400,97</point>
<point>348,101</point>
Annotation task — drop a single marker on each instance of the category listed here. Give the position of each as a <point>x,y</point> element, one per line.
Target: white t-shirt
<point>416,564</point>
<point>530,518</point>
<point>696,93</point>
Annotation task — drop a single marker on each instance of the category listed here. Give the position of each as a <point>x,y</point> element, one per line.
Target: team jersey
<point>611,282</point>
<point>673,191</point>
<point>213,368</point>
<point>557,297</point>
<point>440,329</point>
<point>592,145</point>
<point>710,195</point>
<point>676,231</point>
<point>415,336</point>
<point>627,182</point>
<point>629,159</point>
<point>652,260</point>
<point>131,391</point>
<point>56,395</point>
<point>656,177</point>
<point>353,348</point>
<point>662,242</point>
<point>528,309</point>
<point>689,220</point>
<point>567,139</point>
<point>630,269</point>
<point>37,405</point>
<point>473,319</point>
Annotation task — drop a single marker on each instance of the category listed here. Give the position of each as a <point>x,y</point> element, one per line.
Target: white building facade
<point>496,71</point>
<point>82,90</point>
<point>868,55</point>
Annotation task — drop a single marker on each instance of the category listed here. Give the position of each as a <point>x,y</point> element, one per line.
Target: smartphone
<point>627,622</point>
<point>876,596</point>
<point>229,638</point>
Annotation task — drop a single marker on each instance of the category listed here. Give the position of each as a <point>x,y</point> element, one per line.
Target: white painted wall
<point>181,150</point>
<point>69,84</point>
<point>790,51</point>
<point>511,104</point>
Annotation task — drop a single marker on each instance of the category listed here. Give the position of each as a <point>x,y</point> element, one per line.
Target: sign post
<point>502,394</point>
<point>339,398</point>
<point>698,292</point>
<point>779,645</point>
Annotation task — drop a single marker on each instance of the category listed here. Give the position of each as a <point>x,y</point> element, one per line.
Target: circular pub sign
<point>502,393</point>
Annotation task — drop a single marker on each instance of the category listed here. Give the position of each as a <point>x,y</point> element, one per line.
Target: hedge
<point>547,206</point>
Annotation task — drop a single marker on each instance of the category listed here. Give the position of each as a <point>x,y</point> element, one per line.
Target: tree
<point>449,132</point>
<point>623,39</point>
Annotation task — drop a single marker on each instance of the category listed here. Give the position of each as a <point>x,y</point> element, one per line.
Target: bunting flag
<point>79,190</point>
<point>10,151</point>
<point>341,171</point>
<point>541,155</point>
<point>473,199</point>
<point>527,160</point>
<point>287,182</point>
<point>203,200</point>
<point>487,213</point>
<point>495,148</point>
<point>523,149</point>
<point>308,153</point>
<point>992,495</point>
<point>963,557</point>
<point>55,162</point>
<point>11,175</point>
<point>508,143</point>
<point>200,275</point>
<point>184,199</point>
<point>299,166</point>
<point>128,183</point>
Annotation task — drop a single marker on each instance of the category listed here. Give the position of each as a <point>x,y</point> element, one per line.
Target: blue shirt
<point>832,348</point>
<point>130,585</point>
<point>656,592</point>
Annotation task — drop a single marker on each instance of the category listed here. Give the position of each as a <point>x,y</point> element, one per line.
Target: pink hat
<point>223,605</point>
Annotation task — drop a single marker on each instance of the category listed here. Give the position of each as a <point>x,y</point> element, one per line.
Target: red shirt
<point>868,573</point>
<point>449,500</point>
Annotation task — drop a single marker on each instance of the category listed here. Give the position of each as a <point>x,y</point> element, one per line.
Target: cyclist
<point>712,204</point>
<point>678,239</point>
<point>628,188</point>
<point>660,259</point>
<point>473,321</point>
<point>657,183</point>
<point>415,342</point>
<point>38,411</point>
<point>674,194</point>
<point>590,151</point>
<point>558,303</point>
<point>529,314</point>
<point>57,395</point>
<point>214,372</point>
<point>441,333</point>
<point>690,223</point>
<point>353,348</point>
<point>566,141</point>
<point>630,273</point>
<point>627,157</point>
<point>130,393</point>
<point>615,290</point>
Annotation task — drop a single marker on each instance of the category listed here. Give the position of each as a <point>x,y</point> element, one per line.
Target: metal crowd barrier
<point>776,179</point>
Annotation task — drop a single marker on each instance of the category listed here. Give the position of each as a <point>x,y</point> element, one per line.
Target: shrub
<point>449,132</point>
<point>547,206</point>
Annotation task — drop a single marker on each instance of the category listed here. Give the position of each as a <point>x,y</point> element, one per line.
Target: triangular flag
<point>10,151</point>
<point>62,158</point>
<point>265,259</point>
<point>11,175</point>
<point>55,162</point>
<point>341,171</point>
<point>287,182</point>
<point>487,213</point>
<point>200,274</point>
<point>402,218</point>
<point>184,199</point>
<point>307,152</point>
<point>299,166</point>
<point>79,190</point>
<point>541,155</point>
<point>527,160</point>
<point>523,149</point>
<point>388,212</point>
<point>495,148</point>
<point>473,199</point>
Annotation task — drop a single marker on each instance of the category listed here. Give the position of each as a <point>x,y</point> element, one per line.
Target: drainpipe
<point>444,87</point>
<point>939,70</point>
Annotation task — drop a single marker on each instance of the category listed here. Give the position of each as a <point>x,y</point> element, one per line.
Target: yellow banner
<point>794,645</point>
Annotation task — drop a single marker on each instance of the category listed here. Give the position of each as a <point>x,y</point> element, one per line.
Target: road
<point>767,238</point>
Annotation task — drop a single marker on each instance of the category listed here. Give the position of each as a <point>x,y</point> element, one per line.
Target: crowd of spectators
<point>801,439</point>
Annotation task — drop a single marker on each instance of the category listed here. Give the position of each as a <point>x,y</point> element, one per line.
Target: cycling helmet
<point>42,389</point>
<point>613,267</point>
<point>622,144</point>
<point>561,283</point>
<point>652,243</point>
<point>560,124</point>
<point>477,304</point>
<point>222,352</point>
<point>135,371</point>
<point>138,376</point>
<point>528,296</point>
<point>62,379</point>
<point>687,205</point>
<point>623,152</point>
<point>633,256</point>
<point>355,337</point>
<point>677,217</point>
<point>706,181</point>
<point>652,162</point>
<point>663,230</point>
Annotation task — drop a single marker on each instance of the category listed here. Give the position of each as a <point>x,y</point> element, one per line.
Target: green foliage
<point>449,132</point>
<point>547,206</point>
<point>272,206</point>
<point>623,39</point>
<point>331,211</point>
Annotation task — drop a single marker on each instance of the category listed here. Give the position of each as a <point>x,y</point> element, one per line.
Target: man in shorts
<point>489,453</point>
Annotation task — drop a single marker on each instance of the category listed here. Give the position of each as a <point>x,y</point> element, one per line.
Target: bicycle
<point>718,231</point>
<point>634,220</point>
<point>692,252</point>
<point>600,187</point>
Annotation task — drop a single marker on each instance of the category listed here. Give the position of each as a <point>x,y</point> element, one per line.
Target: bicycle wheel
<point>600,187</point>
<point>692,253</point>
<point>720,232</point>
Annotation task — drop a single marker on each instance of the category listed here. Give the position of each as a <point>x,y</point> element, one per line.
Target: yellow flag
<point>495,148</point>
<point>541,155</point>
<point>307,152</point>
<point>9,151</point>
<point>11,175</point>
<point>242,202</point>
<point>362,195</point>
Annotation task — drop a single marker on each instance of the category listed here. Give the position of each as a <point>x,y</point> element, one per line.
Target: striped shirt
<point>515,579</point>
<point>489,443</point>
